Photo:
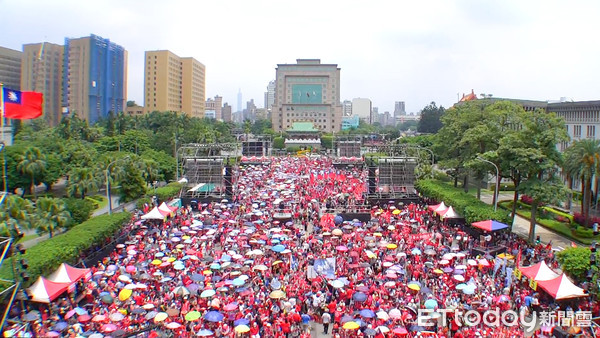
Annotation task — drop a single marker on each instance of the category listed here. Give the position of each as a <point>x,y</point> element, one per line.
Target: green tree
<point>134,141</point>
<point>582,161</point>
<point>81,182</point>
<point>430,121</point>
<point>51,215</point>
<point>15,214</point>
<point>575,262</point>
<point>131,104</point>
<point>150,170</point>
<point>166,164</point>
<point>80,210</point>
<point>132,184</point>
<point>32,163</point>
<point>110,124</point>
<point>53,172</point>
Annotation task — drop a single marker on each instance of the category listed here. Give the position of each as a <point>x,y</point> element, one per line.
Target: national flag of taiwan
<point>22,105</point>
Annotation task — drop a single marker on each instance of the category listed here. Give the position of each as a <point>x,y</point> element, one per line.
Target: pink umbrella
<point>108,328</point>
<point>400,330</point>
<point>98,318</point>
<point>341,248</point>
<point>230,307</point>
<point>70,314</point>
<point>395,314</point>
<point>130,268</point>
<point>173,325</point>
<point>84,318</point>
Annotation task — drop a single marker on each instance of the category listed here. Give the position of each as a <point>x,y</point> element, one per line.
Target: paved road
<point>521,225</point>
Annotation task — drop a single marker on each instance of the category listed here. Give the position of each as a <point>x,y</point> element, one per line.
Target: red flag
<point>518,261</point>
<point>21,105</point>
<point>573,245</point>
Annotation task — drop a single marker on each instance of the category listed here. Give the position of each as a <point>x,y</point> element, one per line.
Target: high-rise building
<point>362,108</point>
<point>239,101</point>
<point>42,72</point>
<point>270,95</point>
<point>173,83</point>
<point>250,112</point>
<point>347,108</point>
<point>399,108</point>
<point>94,77</point>
<point>226,112</point>
<point>215,105</point>
<point>307,91</point>
<point>10,68</point>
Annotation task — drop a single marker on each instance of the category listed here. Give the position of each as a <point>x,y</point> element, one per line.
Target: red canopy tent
<point>449,213</point>
<point>68,274</point>
<point>562,288</point>
<point>45,291</point>
<point>490,225</point>
<point>435,207</point>
<point>538,272</point>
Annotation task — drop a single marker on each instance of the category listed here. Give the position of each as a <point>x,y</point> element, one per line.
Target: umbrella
<point>213,316</point>
<point>391,246</point>
<point>351,325</point>
<point>207,293</point>
<point>395,314</point>
<point>416,251</point>
<point>98,318</point>
<point>367,313</point>
<point>277,294</point>
<point>125,294</point>
<point>431,304</point>
<point>204,333</point>
<point>241,321</point>
<point>151,315</point>
<point>31,316</point>
<point>337,284</point>
<point>414,286</point>
<point>192,316</point>
<point>370,332</point>
<point>230,307</point>
<point>107,328</point>
<point>172,312</point>
<point>60,326</point>
<point>84,318</point>
<point>107,299</point>
<point>173,325</point>
<point>359,297</point>
<point>181,291</point>
<point>242,328</point>
<point>160,317</point>
<point>400,330</point>
<point>383,329</point>
<point>116,317</point>
<point>383,315</point>
<point>137,311</point>
<point>278,248</point>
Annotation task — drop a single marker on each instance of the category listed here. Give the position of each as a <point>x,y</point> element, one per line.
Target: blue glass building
<point>95,77</point>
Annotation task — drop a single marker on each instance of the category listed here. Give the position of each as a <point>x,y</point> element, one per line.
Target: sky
<point>413,51</point>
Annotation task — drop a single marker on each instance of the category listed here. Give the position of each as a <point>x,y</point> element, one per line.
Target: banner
<point>325,267</point>
<point>420,237</point>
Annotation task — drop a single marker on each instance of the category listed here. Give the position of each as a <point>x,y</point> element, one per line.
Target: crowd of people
<point>277,260</point>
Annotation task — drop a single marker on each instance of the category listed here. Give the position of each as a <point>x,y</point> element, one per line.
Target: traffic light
<point>595,227</point>
<point>538,240</point>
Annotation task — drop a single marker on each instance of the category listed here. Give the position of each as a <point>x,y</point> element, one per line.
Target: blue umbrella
<point>338,220</point>
<point>226,258</point>
<point>346,318</point>
<point>278,248</point>
<point>60,326</point>
<point>241,321</point>
<point>238,282</point>
<point>431,304</point>
<point>213,316</point>
<point>416,251</point>
<point>204,333</point>
<point>197,277</point>
<point>367,313</point>
<point>359,297</point>
<point>31,316</point>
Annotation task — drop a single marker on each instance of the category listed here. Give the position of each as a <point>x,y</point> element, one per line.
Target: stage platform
<point>490,250</point>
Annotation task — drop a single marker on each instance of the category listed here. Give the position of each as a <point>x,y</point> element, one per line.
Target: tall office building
<point>42,72</point>
<point>239,101</point>
<point>215,105</point>
<point>226,112</point>
<point>362,108</point>
<point>270,95</point>
<point>94,77</point>
<point>172,83</point>
<point>399,108</point>
<point>307,91</point>
<point>10,68</point>
<point>347,108</point>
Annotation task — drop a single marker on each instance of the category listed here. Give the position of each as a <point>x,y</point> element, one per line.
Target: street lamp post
<point>107,172</point>
<point>497,181</point>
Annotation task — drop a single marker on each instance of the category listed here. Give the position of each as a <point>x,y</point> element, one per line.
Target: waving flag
<point>21,105</point>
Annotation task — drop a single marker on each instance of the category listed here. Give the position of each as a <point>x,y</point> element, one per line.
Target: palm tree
<point>582,161</point>
<point>51,214</point>
<point>150,170</point>
<point>16,213</point>
<point>32,162</point>
<point>82,181</point>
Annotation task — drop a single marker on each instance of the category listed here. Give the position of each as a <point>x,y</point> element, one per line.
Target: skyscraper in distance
<point>239,100</point>
<point>94,77</point>
<point>10,68</point>
<point>399,108</point>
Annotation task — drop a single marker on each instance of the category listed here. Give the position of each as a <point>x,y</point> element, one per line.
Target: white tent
<point>441,209</point>
<point>68,274</point>
<point>562,288</point>
<point>154,214</point>
<point>538,272</point>
<point>165,209</point>
<point>45,291</point>
<point>450,213</point>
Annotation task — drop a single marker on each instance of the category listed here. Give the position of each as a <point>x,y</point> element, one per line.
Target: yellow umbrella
<point>370,254</point>
<point>180,246</point>
<point>337,232</point>
<point>160,317</point>
<point>438,271</point>
<point>351,325</point>
<point>508,256</point>
<point>123,311</point>
<point>414,287</point>
<point>378,234</point>
<point>277,262</point>
<point>185,237</point>
<point>171,259</point>
<point>156,262</point>
<point>392,246</point>
<point>125,294</point>
<point>396,212</point>
<point>241,328</point>
<point>207,272</point>
<point>277,294</point>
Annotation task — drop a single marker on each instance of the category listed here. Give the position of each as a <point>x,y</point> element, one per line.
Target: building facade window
<point>577,131</point>
<point>591,132</point>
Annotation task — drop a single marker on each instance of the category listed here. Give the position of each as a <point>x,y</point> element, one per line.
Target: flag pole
<point>4,144</point>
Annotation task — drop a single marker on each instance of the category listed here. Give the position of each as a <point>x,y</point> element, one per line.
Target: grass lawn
<point>576,233</point>
<point>99,200</point>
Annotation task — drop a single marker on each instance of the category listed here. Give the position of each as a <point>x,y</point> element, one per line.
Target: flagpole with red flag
<point>2,135</point>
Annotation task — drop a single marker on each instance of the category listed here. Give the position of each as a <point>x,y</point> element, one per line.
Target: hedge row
<point>167,192</point>
<point>465,204</point>
<point>45,257</point>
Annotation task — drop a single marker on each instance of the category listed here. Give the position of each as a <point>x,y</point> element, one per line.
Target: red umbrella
<point>84,318</point>
<point>108,328</point>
